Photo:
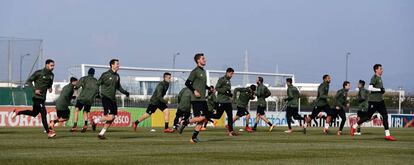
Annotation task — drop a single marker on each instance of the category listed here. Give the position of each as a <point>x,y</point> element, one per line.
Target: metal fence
<point>19,57</point>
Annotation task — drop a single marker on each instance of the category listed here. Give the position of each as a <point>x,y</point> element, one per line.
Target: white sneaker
<point>358,133</point>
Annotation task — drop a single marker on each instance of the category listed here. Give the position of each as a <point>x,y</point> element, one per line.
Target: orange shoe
<point>352,131</point>
<point>248,129</point>
<point>51,134</point>
<point>194,141</point>
<point>390,138</point>
<point>339,133</point>
<point>203,129</point>
<point>215,123</point>
<point>73,129</point>
<point>168,130</point>
<point>84,128</point>
<point>135,125</point>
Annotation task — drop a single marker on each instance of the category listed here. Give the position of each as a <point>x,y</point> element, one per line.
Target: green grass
<point>31,146</point>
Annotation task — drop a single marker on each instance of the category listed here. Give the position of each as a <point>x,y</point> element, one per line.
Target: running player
<point>184,107</point>
<point>376,103</point>
<point>157,101</point>
<point>242,99</point>
<point>197,83</point>
<point>88,86</point>
<point>292,104</point>
<point>43,80</point>
<point>362,99</point>
<point>322,105</point>
<point>63,102</point>
<point>109,83</point>
<point>262,93</point>
<point>342,104</point>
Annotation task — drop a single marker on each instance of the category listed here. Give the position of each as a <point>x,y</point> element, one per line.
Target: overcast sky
<point>305,38</point>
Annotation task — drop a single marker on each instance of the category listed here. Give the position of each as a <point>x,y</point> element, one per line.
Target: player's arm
<point>32,78</point>
<point>50,83</point>
<point>159,94</point>
<point>120,89</point>
<point>223,89</point>
<point>190,80</point>
<point>322,94</point>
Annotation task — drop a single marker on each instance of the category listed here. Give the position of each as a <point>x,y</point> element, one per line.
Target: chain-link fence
<point>19,57</point>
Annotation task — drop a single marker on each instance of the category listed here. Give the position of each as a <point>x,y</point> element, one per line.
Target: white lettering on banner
<point>274,118</point>
<point>23,120</point>
<point>279,118</point>
<point>397,122</point>
<point>12,123</point>
<point>3,119</point>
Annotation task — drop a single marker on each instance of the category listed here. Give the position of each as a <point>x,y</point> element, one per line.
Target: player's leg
<point>164,108</point>
<point>86,111</point>
<point>178,115</point>
<point>219,112</point>
<point>150,110</point>
<point>229,112</point>
<point>383,112</point>
<point>110,111</point>
<point>78,108</point>
<point>330,114</point>
<point>266,120</point>
<point>359,116</point>
<point>43,113</point>
<point>289,115</point>
<point>366,117</point>
<point>36,107</point>
<point>342,115</point>
<point>256,122</point>
<point>259,112</point>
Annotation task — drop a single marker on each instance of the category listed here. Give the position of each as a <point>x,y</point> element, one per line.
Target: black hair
<point>325,76</point>
<point>260,79</point>
<point>72,79</point>
<point>362,82</point>
<point>376,66</point>
<point>345,84</point>
<point>197,56</point>
<point>229,70</point>
<point>48,61</point>
<point>253,87</point>
<point>167,74</point>
<point>289,80</point>
<point>113,62</point>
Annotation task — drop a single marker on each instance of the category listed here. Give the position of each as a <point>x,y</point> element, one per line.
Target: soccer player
<point>242,98</point>
<point>262,93</point>
<point>197,83</point>
<point>43,81</point>
<point>376,102</point>
<point>157,101</point>
<point>292,104</point>
<point>322,105</point>
<point>341,104</point>
<point>362,99</point>
<point>109,82</point>
<point>184,106</point>
<point>212,107</point>
<point>224,99</point>
<point>63,103</point>
<point>88,86</point>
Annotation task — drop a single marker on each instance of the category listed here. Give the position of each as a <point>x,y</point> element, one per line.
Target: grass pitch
<point>123,146</point>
